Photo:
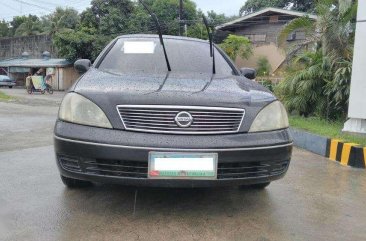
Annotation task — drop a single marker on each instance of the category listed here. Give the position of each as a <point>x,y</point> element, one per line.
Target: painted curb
<point>347,154</point>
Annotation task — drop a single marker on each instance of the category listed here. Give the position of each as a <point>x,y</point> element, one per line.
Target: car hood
<point>185,89</point>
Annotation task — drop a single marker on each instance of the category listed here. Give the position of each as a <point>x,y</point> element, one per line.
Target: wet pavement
<point>317,200</point>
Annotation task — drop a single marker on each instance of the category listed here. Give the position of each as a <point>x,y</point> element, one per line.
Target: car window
<point>146,56</point>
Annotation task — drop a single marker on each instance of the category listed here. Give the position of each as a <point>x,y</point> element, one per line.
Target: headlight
<point>78,109</point>
<point>272,117</point>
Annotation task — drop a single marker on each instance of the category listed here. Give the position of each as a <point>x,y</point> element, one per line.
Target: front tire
<point>75,183</point>
<point>10,87</point>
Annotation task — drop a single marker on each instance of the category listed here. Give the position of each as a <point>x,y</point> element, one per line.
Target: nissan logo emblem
<point>184,119</point>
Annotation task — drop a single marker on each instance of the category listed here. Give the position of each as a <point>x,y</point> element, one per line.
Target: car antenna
<point>212,47</point>
<point>156,21</point>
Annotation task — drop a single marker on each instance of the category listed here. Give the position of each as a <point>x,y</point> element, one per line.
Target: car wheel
<point>75,183</point>
<point>10,87</point>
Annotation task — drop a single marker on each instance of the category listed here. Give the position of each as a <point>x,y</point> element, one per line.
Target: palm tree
<point>321,80</point>
<point>302,90</point>
<point>332,31</point>
<point>56,26</point>
<point>62,20</point>
<point>29,27</point>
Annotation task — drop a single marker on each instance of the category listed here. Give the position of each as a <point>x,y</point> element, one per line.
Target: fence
<point>35,45</point>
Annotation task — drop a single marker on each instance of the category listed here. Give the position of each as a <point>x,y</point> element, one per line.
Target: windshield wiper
<point>156,21</point>
<point>212,47</point>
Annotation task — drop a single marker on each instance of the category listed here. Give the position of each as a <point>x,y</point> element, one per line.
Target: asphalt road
<point>317,200</point>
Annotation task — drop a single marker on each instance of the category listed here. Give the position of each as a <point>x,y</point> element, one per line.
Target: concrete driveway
<point>317,200</point>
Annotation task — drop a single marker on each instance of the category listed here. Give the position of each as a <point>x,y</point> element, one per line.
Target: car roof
<point>155,36</point>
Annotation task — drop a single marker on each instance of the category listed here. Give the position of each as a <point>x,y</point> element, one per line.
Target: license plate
<point>169,165</point>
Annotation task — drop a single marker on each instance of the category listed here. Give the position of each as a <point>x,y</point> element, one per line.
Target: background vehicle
<point>7,81</point>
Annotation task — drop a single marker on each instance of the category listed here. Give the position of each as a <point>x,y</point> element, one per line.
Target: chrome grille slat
<point>148,117</point>
<point>147,121</point>
<point>212,122</point>
<point>210,112</point>
<point>148,114</point>
<point>206,119</point>
<point>214,125</point>
<point>148,111</point>
<point>179,129</point>
<point>217,116</point>
<point>161,119</point>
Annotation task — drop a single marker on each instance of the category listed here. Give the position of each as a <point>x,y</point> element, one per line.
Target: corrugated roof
<point>21,62</point>
<point>265,10</point>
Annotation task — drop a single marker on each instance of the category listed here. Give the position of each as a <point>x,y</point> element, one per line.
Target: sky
<point>10,8</point>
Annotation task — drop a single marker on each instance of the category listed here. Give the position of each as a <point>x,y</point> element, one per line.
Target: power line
<point>32,4</point>
<point>180,16</point>
<point>17,10</point>
<point>45,2</point>
<point>42,10</point>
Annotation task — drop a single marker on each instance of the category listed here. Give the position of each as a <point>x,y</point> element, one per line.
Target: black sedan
<point>6,81</point>
<point>187,119</point>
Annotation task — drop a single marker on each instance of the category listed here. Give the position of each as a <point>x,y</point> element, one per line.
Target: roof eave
<point>283,11</point>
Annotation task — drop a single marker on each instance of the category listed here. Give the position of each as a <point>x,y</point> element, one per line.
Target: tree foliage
<point>237,46</point>
<point>31,26</point>
<point>75,44</point>
<point>63,19</point>
<point>4,29</point>
<point>106,19</point>
<point>298,5</point>
<point>264,68</point>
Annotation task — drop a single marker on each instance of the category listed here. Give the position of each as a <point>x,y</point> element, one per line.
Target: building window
<point>296,36</point>
<point>300,36</point>
<point>256,37</point>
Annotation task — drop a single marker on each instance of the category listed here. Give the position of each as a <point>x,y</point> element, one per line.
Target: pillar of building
<point>357,105</point>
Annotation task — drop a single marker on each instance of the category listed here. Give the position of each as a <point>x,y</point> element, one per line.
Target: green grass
<point>324,128</point>
<point>4,97</point>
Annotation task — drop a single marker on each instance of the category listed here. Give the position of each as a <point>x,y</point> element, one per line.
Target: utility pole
<point>180,17</point>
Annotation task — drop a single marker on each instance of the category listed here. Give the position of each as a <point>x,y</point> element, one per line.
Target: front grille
<point>117,168</point>
<point>251,169</point>
<point>163,119</point>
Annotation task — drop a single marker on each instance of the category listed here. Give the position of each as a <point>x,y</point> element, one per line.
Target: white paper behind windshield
<point>138,47</point>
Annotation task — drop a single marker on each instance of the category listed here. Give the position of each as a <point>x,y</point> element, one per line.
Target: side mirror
<point>248,73</point>
<point>82,65</point>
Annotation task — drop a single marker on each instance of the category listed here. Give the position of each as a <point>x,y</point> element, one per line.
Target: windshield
<point>146,55</point>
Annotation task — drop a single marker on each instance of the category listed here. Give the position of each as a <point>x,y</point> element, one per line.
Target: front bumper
<point>121,157</point>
